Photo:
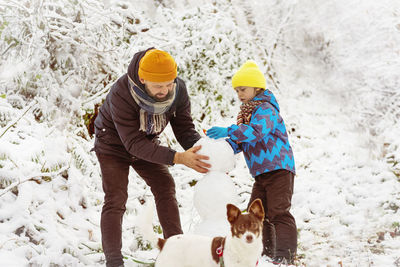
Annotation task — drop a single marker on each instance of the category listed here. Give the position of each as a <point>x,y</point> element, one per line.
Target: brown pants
<point>115,172</point>
<point>275,189</point>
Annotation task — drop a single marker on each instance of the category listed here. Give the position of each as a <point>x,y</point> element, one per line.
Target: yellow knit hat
<point>249,75</point>
<point>157,66</point>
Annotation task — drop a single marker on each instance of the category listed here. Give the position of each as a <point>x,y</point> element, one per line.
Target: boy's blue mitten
<point>217,132</point>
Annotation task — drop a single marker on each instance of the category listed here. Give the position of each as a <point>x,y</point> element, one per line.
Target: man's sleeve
<point>182,121</point>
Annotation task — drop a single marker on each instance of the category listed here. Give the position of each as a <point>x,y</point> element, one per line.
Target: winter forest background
<point>334,67</point>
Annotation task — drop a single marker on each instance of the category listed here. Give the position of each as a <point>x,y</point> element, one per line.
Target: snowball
<point>220,152</point>
<point>212,193</point>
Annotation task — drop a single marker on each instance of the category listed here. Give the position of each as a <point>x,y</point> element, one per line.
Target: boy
<point>261,134</point>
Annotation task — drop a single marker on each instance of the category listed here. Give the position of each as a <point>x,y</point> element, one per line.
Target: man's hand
<point>217,132</point>
<point>192,160</point>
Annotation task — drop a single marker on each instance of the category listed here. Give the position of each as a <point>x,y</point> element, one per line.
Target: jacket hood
<point>134,67</point>
<point>269,97</point>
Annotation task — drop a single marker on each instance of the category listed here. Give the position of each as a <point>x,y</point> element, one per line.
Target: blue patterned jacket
<point>264,141</point>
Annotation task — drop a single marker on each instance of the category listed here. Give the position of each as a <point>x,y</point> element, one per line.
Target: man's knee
<point>165,196</point>
<point>165,187</point>
<point>115,201</point>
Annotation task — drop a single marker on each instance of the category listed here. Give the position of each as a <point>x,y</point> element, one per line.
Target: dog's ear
<point>233,212</point>
<point>257,209</point>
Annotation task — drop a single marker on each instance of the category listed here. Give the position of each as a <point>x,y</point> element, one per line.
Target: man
<point>136,110</point>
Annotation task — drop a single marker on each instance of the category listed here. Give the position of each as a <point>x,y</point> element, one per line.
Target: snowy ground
<point>342,196</point>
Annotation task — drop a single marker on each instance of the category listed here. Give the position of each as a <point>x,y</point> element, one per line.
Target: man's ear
<point>141,80</point>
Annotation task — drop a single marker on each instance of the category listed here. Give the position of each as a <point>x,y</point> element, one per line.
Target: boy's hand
<point>217,132</point>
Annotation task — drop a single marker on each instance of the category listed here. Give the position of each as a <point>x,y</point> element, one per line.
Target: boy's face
<point>245,93</point>
<point>159,91</point>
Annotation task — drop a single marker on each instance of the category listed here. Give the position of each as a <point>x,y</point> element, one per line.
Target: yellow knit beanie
<point>249,75</point>
<point>157,66</point>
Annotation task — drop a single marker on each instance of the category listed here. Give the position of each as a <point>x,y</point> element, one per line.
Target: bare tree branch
<point>32,178</point>
<point>12,123</point>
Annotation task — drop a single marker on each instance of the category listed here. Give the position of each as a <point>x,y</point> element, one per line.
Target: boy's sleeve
<point>236,148</point>
<point>263,121</point>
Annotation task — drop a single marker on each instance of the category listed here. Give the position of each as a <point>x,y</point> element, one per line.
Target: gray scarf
<point>153,117</point>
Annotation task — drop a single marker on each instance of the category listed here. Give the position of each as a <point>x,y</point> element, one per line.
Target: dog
<point>241,248</point>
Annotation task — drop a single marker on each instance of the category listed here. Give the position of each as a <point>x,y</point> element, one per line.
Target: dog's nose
<point>249,238</point>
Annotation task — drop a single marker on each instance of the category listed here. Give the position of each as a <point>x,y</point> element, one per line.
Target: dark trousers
<point>275,189</point>
<point>115,172</point>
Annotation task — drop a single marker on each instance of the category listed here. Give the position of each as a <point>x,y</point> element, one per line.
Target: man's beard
<point>156,98</point>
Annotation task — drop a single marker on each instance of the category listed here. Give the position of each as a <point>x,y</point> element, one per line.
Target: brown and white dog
<point>241,248</point>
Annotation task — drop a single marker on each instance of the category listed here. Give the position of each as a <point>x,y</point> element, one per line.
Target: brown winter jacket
<point>117,124</point>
